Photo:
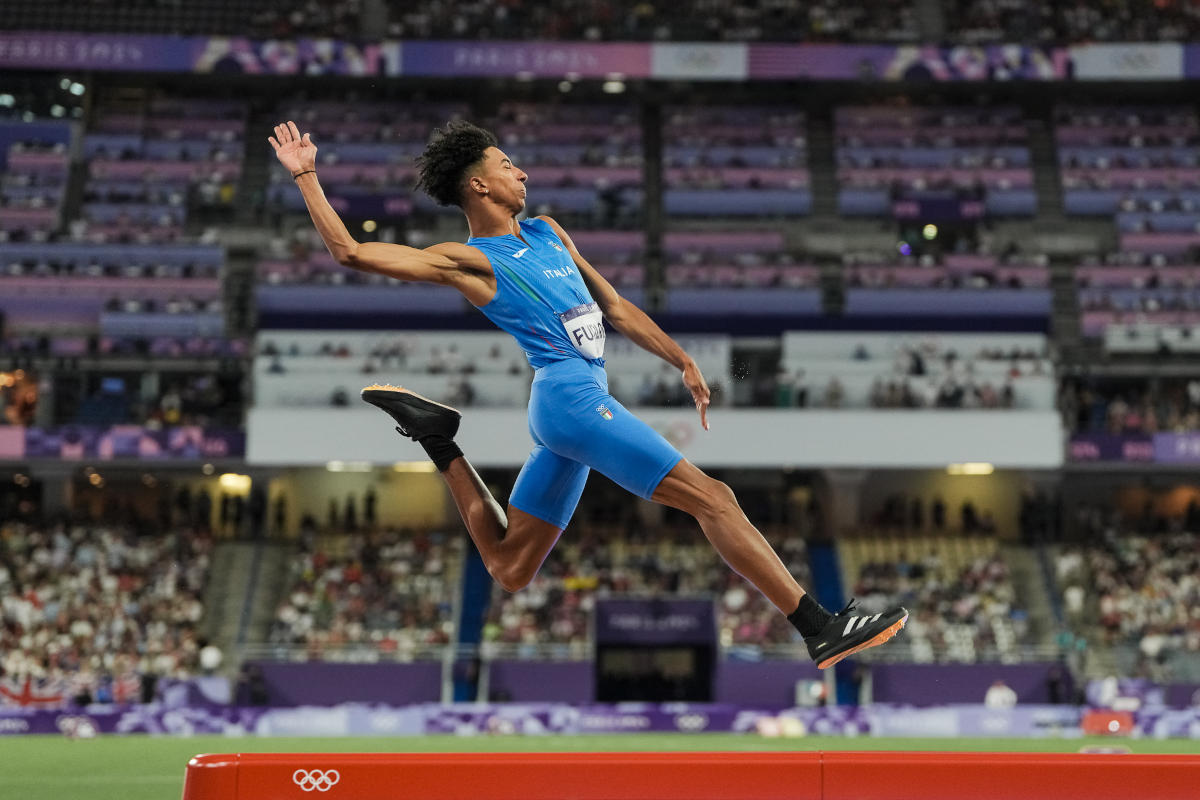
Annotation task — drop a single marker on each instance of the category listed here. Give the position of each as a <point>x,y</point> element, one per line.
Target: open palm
<point>297,153</point>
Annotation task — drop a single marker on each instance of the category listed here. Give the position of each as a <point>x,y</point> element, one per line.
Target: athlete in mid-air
<point>528,278</point>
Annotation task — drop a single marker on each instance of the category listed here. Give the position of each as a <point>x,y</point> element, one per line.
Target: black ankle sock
<point>809,617</point>
<point>441,451</point>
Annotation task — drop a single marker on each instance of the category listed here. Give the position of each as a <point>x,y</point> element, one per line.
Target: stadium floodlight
<point>413,466</point>
<point>971,468</point>
<point>348,466</point>
<point>234,482</point>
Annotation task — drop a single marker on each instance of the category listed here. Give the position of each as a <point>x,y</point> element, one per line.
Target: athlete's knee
<point>513,576</point>
<point>716,499</point>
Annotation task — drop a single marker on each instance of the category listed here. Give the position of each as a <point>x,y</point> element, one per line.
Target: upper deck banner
<point>493,59</point>
<point>1129,62</point>
<point>915,63</point>
<point>597,60</point>
<point>198,54</point>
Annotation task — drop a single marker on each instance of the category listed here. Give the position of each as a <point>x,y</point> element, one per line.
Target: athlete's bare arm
<point>637,326</point>
<point>449,264</point>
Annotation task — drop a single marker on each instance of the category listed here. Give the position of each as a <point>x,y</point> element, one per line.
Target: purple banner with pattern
<point>1110,447</point>
<point>1191,60</point>
<point>101,443</point>
<point>1159,448</point>
<point>655,621</point>
<point>1177,448</point>
<point>469,719</point>
<point>216,54</point>
<point>535,59</point>
<point>909,62</point>
<point>99,51</point>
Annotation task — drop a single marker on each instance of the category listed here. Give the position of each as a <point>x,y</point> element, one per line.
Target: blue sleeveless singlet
<point>536,280</point>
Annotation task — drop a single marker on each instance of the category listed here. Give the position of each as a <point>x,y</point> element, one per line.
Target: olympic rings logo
<point>316,780</point>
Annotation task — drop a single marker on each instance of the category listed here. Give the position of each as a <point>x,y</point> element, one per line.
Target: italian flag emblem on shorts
<point>603,411</point>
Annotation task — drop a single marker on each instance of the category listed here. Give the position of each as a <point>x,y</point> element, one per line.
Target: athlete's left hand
<point>694,381</point>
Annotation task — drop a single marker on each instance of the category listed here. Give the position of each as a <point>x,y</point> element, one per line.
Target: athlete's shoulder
<point>553,226</point>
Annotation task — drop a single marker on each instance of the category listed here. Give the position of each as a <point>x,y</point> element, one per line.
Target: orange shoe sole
<point>387,387</point>
<point>879,639</point>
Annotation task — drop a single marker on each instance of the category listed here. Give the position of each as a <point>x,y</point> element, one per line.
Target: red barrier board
<point>1009,776</point>
<point>693,776</point>
<point>506,776</point>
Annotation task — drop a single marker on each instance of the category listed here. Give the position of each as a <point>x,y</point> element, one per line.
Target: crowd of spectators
<point>966,615</point>
<point>18,397</point>
<point>1149,302</point>
<point>105,265</point>
<point>554,611</point>
<point>366,596</point>
<point>984,21</point>
<point>202,399</point>
<point>898,513</point>
<point>965,21</point>
<point>171,305</point>
<point>1145,585</point>
<point>776,20</point>
<point>87,611</point>
<point>921,375</point>
<point>1130,406</point>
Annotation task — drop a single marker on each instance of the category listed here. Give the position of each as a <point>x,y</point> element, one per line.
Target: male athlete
<point>528,278</point>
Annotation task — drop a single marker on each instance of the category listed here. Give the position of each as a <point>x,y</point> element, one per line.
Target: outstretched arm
<point>451,264</point>
<point>637,326</point>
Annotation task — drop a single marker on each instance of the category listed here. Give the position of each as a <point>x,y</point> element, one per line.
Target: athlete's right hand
<point>693,379</point>
<point>297,153</point>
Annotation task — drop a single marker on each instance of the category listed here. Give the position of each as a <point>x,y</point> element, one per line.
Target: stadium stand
<point>149,167</point>
<point>553,614</point>
<point>735,162</point>
<point>980,21</point>
<point>364,596</point>
<point>87,608</point>
<point>889,157</point>
<point>1135,164</point>
<point>580,19</point>
<point>34,164</point>
<point>1137,591</point>
<point>1130,405</point>
<point>964,606</point>
<point>859,370</point>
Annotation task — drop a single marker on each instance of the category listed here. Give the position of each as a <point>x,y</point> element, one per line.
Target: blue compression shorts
<point>577,426</point>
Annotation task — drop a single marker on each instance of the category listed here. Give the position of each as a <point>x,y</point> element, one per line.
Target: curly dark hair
<point>451,151</point>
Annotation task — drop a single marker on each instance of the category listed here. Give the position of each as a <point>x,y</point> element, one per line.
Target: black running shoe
<point>416,417</point>
<point>848,632</point>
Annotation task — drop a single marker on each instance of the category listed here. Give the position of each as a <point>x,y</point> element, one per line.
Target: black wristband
<point>305,172</point>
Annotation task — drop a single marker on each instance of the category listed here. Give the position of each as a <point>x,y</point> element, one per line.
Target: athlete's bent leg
<point>738,542</point>
<point>513,545</point>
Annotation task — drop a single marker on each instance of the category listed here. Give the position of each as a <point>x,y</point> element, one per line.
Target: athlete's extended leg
<point>744,549</point>
<point>513,545</point>
<point>829,637</point>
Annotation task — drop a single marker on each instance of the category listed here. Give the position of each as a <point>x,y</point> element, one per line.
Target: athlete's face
<point>505,184</point>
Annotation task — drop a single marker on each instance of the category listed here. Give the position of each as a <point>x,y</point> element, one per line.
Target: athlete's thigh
<point>549,487</point>
<point>590,426</point>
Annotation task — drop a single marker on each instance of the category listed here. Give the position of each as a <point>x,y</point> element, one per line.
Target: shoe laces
<point>849,607</point>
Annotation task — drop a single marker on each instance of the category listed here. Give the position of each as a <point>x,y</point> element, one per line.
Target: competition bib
<point>585,328</point>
